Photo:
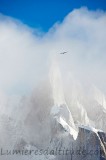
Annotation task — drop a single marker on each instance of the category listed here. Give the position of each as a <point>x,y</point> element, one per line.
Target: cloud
<point>25,52</point>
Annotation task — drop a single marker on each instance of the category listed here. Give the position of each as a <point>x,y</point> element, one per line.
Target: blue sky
<point>43,14</point>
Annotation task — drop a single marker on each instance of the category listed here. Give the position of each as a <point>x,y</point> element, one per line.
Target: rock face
<point>102,136</point>
<point>87,146</point>
<point>90,144</point>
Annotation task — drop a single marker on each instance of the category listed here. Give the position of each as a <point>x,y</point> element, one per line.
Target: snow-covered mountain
<point>59,122</point>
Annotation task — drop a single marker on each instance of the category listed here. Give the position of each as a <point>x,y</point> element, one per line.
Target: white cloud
<point>25,55</point>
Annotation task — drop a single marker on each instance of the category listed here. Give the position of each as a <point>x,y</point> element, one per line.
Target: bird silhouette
<point>63,52</point>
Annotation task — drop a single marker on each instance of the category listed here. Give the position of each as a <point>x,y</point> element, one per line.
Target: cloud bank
<point>25,53</point>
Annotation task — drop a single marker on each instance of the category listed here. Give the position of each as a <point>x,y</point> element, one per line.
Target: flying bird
<point>63,52</point>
